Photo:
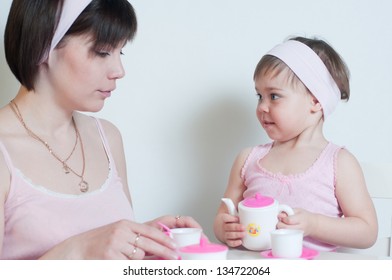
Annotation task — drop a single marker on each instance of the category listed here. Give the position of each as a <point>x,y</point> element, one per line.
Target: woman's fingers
<point>186,221</point>
<point>152,241</point>
<point>134,253</point>
<point>152,247</point>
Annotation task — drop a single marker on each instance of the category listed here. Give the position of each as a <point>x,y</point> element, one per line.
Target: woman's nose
<point>117,70</point>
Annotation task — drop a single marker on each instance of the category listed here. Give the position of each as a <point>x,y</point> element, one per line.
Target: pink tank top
<point>37,219</point>
<point>312,190</point>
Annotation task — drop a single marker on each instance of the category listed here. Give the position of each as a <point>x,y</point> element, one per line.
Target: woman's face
<point>82,77</point>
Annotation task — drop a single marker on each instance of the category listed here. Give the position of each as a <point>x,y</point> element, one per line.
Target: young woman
<point>63,183</point>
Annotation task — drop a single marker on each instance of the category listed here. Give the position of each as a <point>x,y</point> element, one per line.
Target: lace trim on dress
<point>283,177</point>
<point>64,195</point>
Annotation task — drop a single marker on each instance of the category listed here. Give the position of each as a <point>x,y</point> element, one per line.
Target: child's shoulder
<point>257,150</point>
<point>342,153</point>
<point>247,153</point>
<point>346,158</point>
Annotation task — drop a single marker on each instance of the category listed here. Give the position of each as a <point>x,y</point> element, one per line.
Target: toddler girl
<point>298,84</point>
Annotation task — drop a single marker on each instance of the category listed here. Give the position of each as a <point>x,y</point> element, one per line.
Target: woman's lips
<point>106,94</point>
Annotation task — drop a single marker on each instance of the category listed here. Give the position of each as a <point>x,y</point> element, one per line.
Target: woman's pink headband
<point>70,12</point>
<point>311,70</point>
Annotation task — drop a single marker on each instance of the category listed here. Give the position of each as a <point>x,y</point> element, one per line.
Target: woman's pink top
<point>37,219</point>
<point>312,190</point>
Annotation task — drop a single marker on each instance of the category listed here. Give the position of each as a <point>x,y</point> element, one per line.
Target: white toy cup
<point>186,236</point>
<point>287,243</point>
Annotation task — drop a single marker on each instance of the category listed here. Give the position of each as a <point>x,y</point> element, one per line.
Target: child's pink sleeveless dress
<point>313,190</point>
<point>37,219</point>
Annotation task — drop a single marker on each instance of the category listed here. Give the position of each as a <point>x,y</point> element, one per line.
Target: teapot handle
<point>285,208</point>
<point>230,206</point>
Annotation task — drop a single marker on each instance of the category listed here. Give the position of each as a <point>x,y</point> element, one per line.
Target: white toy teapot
<point>260,215</point>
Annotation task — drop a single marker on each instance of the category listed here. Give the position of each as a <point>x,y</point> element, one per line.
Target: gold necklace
<point>83,185</point>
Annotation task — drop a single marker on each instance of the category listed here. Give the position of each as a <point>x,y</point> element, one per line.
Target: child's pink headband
<point>311,70</point>
<point>70,12</point>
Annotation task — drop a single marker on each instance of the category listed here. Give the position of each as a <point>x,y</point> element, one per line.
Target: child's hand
<point>301,219</point>
<point>233,230</point>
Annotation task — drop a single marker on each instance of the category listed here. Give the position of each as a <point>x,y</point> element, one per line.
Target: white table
<point>243,254</point>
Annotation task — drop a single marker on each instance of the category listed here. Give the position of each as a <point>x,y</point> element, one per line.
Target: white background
<point>187,104</point>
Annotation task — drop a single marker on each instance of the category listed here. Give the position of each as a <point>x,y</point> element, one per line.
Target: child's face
<point>284,106</point>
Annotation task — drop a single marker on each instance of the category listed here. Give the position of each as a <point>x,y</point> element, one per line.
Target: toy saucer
<point>307,254</point>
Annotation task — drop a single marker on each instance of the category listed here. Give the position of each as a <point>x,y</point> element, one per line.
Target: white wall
<point>187,104</point>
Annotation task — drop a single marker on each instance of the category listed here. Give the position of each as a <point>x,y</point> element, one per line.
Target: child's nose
<point>263,106</point>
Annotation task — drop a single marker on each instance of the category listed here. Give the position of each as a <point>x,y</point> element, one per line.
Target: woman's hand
<point>120,240</point>
<point>232,231</point>
<point>175,222</point>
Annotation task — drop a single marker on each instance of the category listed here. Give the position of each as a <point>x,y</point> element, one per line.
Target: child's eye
<point>274,96</point>
<point>259,97</point>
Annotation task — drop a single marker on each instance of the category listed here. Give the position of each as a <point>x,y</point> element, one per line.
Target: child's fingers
<point>234,243</point>
<point>234,227</point>
<point>234,239</point>
<point>230,219</point>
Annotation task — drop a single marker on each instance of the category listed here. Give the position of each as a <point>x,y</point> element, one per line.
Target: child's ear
<point>316,106</point>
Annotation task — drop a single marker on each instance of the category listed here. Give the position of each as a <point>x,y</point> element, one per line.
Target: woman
<point>63,183</point>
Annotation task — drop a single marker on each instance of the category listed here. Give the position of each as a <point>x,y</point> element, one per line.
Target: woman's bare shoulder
<point>90,123</point>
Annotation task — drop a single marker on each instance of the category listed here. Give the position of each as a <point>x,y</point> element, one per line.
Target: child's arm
<point>227,227</point>
<point>358,228</point>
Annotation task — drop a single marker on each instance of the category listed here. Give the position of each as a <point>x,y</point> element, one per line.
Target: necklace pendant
<point>83,185</point>
<point>65,168</point>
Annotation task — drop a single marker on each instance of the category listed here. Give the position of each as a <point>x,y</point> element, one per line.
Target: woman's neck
<point>41,112</point>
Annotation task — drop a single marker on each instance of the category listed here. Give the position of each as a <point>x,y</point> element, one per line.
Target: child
<point>299,84</point>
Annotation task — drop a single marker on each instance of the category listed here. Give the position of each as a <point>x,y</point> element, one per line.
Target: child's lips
<point>268,124</point>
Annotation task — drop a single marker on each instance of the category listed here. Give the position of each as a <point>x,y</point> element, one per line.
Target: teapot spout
<point>230,206</point>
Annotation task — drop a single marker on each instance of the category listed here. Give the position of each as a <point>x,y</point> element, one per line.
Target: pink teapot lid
<point>258,201</point>
<point>203,248</point>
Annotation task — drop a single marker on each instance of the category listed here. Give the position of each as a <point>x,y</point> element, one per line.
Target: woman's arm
<point>117,148</point>
<point>115,241</point>
<point>5,180</point>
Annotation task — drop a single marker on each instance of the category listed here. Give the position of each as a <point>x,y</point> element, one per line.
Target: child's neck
<point>294,156</point>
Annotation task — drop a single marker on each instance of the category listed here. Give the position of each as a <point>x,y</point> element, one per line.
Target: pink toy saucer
<point>307,254</point>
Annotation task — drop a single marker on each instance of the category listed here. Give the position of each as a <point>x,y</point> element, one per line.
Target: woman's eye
<point>106,53</point>
<point>102,53</point>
